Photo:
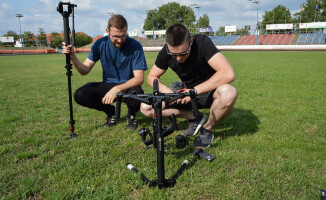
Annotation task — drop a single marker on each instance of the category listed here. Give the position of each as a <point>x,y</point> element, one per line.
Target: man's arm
<point>137,80</point>
<point>224,74</point>
<point>156,73</point>
<point>83,68</point>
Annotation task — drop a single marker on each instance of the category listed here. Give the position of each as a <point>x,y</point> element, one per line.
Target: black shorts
<point>203,101</point>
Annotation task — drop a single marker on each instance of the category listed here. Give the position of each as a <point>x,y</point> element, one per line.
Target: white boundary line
<point>259,48</point>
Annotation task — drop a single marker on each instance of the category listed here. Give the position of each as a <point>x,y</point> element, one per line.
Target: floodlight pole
<point>256,2</point>
<point>196,6</point>
<point>20,29</point>
<point>153,30</point>
<point>152,11</point>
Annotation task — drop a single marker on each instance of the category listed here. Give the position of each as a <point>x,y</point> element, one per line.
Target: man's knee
<point>146,110</point>
<point>78,96</point>
<point>227,94</point>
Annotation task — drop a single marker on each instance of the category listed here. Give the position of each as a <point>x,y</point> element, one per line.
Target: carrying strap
<point>203,154</point>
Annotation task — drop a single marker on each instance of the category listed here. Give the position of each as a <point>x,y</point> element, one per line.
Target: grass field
<point>273,145</point>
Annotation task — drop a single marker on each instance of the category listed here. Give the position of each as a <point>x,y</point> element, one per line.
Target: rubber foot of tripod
<point>73,136</point>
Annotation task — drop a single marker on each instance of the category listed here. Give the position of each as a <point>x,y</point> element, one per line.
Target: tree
<point>279,15</point>
<point>221,31</point>
<point>11,33</point>
<point>29,39</point>
<point>82,39</point>
<point>242,31</point>
<point>57,40</point>
<point>169,14</point>
<point>204,21</point>
<point>41,37</point>
<point>310,12</point>
<point>323,7</point>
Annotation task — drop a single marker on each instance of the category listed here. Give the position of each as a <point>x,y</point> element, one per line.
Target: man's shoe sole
<point>200,124</point>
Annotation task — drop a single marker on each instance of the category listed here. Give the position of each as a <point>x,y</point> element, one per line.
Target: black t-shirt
<point>195,69</point>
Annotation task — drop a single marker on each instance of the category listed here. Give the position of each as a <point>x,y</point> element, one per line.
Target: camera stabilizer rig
<point>65,15</point>
<point>157,138</point>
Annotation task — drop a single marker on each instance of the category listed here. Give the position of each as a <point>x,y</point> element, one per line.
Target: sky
<point>91,16</point>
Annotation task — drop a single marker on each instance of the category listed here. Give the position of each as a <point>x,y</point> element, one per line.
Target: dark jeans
<point>91,94</point>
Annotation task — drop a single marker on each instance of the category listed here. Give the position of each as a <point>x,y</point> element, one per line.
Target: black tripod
<point>65,15</point>
<point>155,99</point>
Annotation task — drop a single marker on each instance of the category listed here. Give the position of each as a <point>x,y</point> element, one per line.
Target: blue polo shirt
<point>118,64</point>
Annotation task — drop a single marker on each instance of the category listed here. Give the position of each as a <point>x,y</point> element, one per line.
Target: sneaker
<point>131,122</point>
<point>195,125</point>
<point>110,121</point>
<point>205,138</point>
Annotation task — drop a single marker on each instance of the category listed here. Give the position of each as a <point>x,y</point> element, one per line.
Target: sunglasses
<point>178,54</point>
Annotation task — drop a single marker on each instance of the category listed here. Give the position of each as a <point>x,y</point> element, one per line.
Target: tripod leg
<point>173,180</point>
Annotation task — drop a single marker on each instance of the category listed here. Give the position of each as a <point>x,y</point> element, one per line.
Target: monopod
<point>65,15</point>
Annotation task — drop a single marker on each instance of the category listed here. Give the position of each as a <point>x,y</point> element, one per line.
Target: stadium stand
<point>159,42</point>
<point>224,40</point>
<point>266,39</point>
<point>312,38</point>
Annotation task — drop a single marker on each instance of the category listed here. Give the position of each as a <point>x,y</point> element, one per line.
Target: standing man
<point>200,66</point>
<point>123,63</point>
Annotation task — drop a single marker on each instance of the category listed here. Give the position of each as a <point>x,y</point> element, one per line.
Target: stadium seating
<point>312,38</point>
<point>266,39</point>
<point>224,40</point>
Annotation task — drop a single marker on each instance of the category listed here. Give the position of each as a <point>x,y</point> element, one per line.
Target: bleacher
<point>159,42</point>
<point>224,40</point>
<point>266,39</point>
<point>312,38</point>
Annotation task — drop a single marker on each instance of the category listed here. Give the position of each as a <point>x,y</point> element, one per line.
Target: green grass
<point>271,147</point>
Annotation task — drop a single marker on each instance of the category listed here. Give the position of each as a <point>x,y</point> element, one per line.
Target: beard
<point>117,44</point>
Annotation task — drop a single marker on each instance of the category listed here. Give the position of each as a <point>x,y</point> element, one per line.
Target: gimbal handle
<point>149,99</point>
<point>70,7</point>
<point>65,15</point>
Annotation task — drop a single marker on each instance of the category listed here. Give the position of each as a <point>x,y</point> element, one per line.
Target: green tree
<point>323,7</point>
<point>279,15</point>
<point>29,39</point>
<point>242,31</point>
<point>11,33</point>
<point>310,13</point>
<point>169,14</point>
<point>57,40</point>
<point>204,21</point>
<point>221,31</point>
<point>82,39</point>
<point>41,37</point>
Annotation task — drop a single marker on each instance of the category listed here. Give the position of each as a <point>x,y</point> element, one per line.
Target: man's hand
<point>184,100</point>
<point>110,96</point>
<point>67,49</point>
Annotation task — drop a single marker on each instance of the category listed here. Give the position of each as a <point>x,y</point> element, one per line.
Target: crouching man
<point>200,66</point>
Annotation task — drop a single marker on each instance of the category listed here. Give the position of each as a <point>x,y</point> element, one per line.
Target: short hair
<point>177,34</point>
<point>117,21</point>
